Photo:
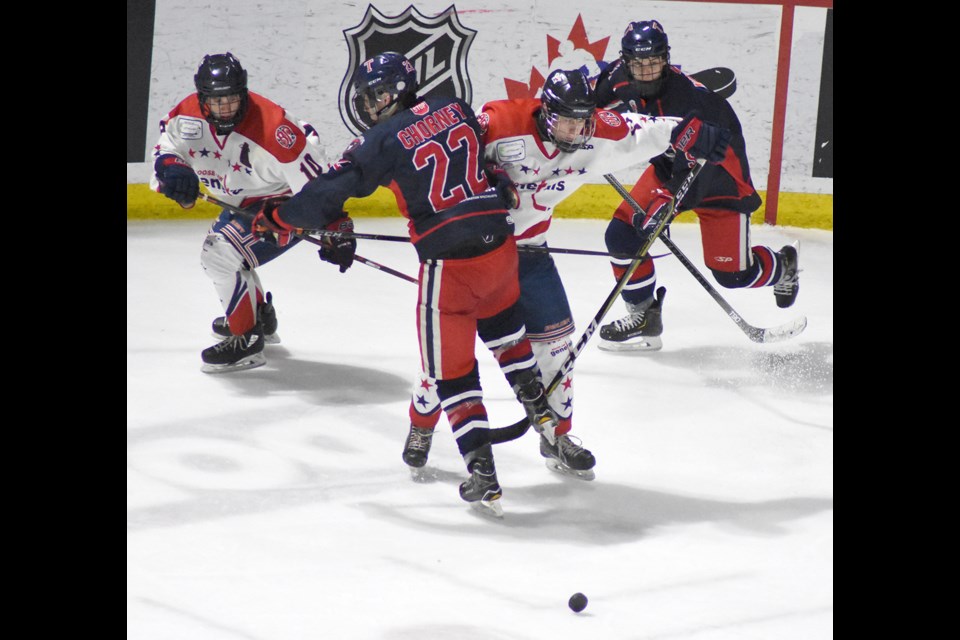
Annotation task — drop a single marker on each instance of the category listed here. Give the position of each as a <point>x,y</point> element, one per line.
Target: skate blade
<point>490,508</point>
<point>424,475</point>
<point>558,467</point>
<point>651,343</point>
<point>254,361</point>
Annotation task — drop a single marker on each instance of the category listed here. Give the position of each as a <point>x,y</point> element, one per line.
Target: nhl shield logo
<point>436,45</point>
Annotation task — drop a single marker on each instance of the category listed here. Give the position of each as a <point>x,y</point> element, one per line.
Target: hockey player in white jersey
<point>244,149</point>
<point>547,148</point>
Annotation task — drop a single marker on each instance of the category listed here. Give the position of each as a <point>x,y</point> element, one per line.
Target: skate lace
<point>786,283</point>
<point>417,440</point>
<point>234,343</point>
<point>629,322</point>
<point>568,448</point>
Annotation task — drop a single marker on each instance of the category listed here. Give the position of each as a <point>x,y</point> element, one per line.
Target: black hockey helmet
<point>567,94</point>
<point>385,74</point>
<point>220,74</point>
<point>645,39</point>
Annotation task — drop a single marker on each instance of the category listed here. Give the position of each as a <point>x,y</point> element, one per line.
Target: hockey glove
<point>268,227</point>
<point>657,207</point>
<point>339,250</point>
<point>506,189</point>
<point>177,180</point>
<point>699,139</point>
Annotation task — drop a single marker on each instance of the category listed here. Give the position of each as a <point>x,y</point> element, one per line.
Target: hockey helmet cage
<point>568,94</point>
<point>384,74</point>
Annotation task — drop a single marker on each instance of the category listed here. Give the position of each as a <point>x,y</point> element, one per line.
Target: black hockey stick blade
<point>508,433</point>
<point>721,80</point>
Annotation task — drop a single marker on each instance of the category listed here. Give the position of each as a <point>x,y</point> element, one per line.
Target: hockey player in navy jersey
<point>243,148</point>
<point>642,80</point>
<point>429,153</point>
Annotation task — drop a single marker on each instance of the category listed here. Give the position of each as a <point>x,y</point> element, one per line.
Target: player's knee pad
<point>621,237</point>
<point>452,389</point>
<point>219,258</point>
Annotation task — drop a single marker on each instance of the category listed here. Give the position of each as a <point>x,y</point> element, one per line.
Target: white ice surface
<point>272,504</point>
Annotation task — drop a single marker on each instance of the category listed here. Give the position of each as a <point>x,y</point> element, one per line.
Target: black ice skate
<point>416,450</point>
<point>788,286</point>
<point>568,458</point>
<point>482,490</point>
<point>638,331</point>
<point>267,316</point>
<point>235,353</point>
<point>532,396</point>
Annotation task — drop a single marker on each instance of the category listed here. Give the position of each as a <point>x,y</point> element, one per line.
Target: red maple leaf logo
<point>578,38</point>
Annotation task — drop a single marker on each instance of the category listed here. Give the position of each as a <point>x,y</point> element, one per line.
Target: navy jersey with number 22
<point>431,157</point>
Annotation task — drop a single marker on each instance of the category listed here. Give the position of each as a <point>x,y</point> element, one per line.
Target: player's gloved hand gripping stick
<point>300,233</point>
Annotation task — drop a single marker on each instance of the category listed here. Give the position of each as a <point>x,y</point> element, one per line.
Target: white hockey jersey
<point>269,153</point>
<point>544,175</point>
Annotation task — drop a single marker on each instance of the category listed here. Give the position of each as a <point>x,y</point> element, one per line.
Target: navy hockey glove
<point>699,139</point>
<point>177,180</point>
<point>339,250</point>
<point>506,189</point>
<point>268,227</point>
<point>657,207</point>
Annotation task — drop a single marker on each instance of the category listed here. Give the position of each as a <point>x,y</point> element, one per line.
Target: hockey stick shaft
<point>756,334</point>
<point>309,238</point>
<point>622,282</point>
<point>514,431</point>
<point>520,247</point>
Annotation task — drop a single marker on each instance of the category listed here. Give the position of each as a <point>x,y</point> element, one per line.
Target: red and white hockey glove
<point>699,139</point>
<point>268,227</point>
<point>658,205</point>
<point>339,250</point>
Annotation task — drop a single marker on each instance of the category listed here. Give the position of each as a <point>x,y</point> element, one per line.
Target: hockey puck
<point>577,602</point>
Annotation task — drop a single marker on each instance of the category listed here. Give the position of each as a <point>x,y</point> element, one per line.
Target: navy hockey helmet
<point>645,39</point>
<point>219,75</point>
<point>385,75</point>
<point>567,110</point>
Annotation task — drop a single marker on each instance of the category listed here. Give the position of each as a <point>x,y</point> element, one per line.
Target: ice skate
<point>482,490</point>
<point>235,353</point>
<point>266,314</point>
<point>568,458</point>
<point>639,330</point>
<point>788,286</point>
<point>417,447</point>
<point>531,394</point>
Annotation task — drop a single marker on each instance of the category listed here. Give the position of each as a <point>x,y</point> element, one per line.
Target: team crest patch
<point>190,128</point>
<point>286,138</point>
<point>483,119</point>
<point>436,45</point>
<point>610,118</point>
<point>511,151</point>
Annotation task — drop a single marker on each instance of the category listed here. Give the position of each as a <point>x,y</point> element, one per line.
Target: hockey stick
<point>309,238</point>
<point>720,80</point>
<point>520,247</point>
<point>514,431</point>
<point>757,334</point>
